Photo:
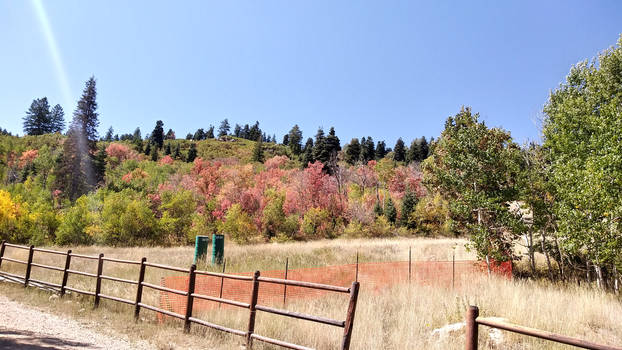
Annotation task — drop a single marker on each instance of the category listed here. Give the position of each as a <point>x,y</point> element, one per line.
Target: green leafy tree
<point>476,169</point>
<point>582,135</point>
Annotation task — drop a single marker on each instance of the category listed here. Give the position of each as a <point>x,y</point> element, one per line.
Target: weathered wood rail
<point>256,280</point>
<point>473,321</point>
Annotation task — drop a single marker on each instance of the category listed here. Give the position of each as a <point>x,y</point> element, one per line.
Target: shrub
<point>237,224</point>
<point>74,223</point>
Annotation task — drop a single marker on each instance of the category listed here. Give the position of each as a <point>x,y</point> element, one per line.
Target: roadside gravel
<point>24,327</point>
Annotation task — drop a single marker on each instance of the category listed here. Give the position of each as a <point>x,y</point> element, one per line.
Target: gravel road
<point>26,328</point>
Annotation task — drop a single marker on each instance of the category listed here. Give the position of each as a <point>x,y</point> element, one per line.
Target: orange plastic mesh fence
<point>372,276</point>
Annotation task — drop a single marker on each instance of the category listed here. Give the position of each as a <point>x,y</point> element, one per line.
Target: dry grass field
<point>403,317</point>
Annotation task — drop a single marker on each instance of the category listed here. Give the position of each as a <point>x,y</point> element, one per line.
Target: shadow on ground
<point>23,340</point>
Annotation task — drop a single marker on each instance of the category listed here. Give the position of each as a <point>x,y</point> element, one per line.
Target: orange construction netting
<point>372,276</point>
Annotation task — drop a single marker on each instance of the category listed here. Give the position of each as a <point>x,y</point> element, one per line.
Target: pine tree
<point>189,136</point>
<point>170,135</point>
<point>307,153</point>
<point>109,134</point>
<point>399,153</point>
<point>408,205</point>
<point>319,146</point>
<point>157,135</point>
<point>258,151</point>
<point>192,153</point>
<point>57,119</point>
<point>414,152</point>
<point>286,139</point>
<point>148,148</point>
<point>368,151</point>
<point>177,152</point>
<point>85,116</point>
<point>424,149</point>
<point>40,120</point>
<point>237,130</point>
<point>99,164</point>
<point>199,135</point>
<point>352,151</point>
<point>333,145</point>
<point>378,209</point>
<point>167,149</point>
<point>223,130</point>
<point>381,150</point>
<point>294,138</point>
<point>154,153</point>
<point>210,132</point>
<point>389,211</point>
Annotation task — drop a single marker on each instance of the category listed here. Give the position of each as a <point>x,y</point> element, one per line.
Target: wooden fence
<point>249,334</point>
<point>473,321</point>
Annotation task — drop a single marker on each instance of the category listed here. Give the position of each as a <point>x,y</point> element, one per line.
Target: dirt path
<point>24,328</point>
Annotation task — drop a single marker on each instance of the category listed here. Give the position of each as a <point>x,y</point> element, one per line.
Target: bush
<point>177,210</point>
<point>317,223</point>
<point>238,225</point>
<point>128,220</point>
<point>74,224</point>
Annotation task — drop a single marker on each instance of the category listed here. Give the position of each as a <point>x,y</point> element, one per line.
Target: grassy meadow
<point>403,317</point>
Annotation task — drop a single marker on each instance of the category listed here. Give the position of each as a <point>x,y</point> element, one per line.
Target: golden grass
<point>400,318</point>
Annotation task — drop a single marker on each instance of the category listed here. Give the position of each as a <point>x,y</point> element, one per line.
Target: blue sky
<point>385,69</point>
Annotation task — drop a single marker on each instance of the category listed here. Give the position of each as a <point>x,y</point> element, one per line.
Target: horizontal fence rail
<point>189,293</point>
<point>473,321</point>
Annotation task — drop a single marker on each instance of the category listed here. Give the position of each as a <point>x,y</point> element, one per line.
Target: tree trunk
<point>587,272</point>
<point>546,255</point>
<point>560,262</point>
<point>616,286</point>
<point>600,281</point>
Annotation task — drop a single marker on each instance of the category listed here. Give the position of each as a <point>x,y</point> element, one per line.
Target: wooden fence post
<point>98,280</point>
<point>471,328</point>
<point>139,289</point>
<point>347,332</point>
<point>29,266</point>
<point>190,300</point>
<point>2,251</point>
<point>285,285</point>
<point>65,273</point>
<point>253,312</point>
<point>222,281</point>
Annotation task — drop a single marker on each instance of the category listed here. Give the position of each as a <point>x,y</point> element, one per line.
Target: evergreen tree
<point>286,139</point>
<point>368,151</point>
<point>424,149</point>
<point>71,175</point>
<point>189,136</point>
<point>389,211</point>
<point>319,146</point>
<point>99,164</point>
<point>378,209</point>
<point>258,151</point>
<point>254,132</point>
<point>85,116</point>
<point>148,148</point>
<point>116,137</point>
<point>237,130</point>
<point>408,205</point>
<point>223,130</point>
<point>154,153</point>
<point>210,132</point>
<point>57,119</point>
<point>157,135</point>
<point>245,132</point>
<point>381,150</point>
<point>307,153</point>
<point>177,152</point>
<point>109,134</point>
<point>199,135</point>
<point>399,152</point>
<point>192,153</point>
<point>352,151</point>
<point>136,136</point>
<point>170,135</point>
<point>167,149</point>
<point>40,120</point>
<point>273,138</point>
<point>294,138</point>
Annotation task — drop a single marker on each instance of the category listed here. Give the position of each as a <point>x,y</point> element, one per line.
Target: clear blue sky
<point>385,69</point>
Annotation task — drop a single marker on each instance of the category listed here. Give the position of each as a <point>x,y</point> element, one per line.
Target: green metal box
<point>200,247</point>
<point>218,248</point>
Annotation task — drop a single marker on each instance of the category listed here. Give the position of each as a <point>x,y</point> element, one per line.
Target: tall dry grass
<point>403,317</point>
